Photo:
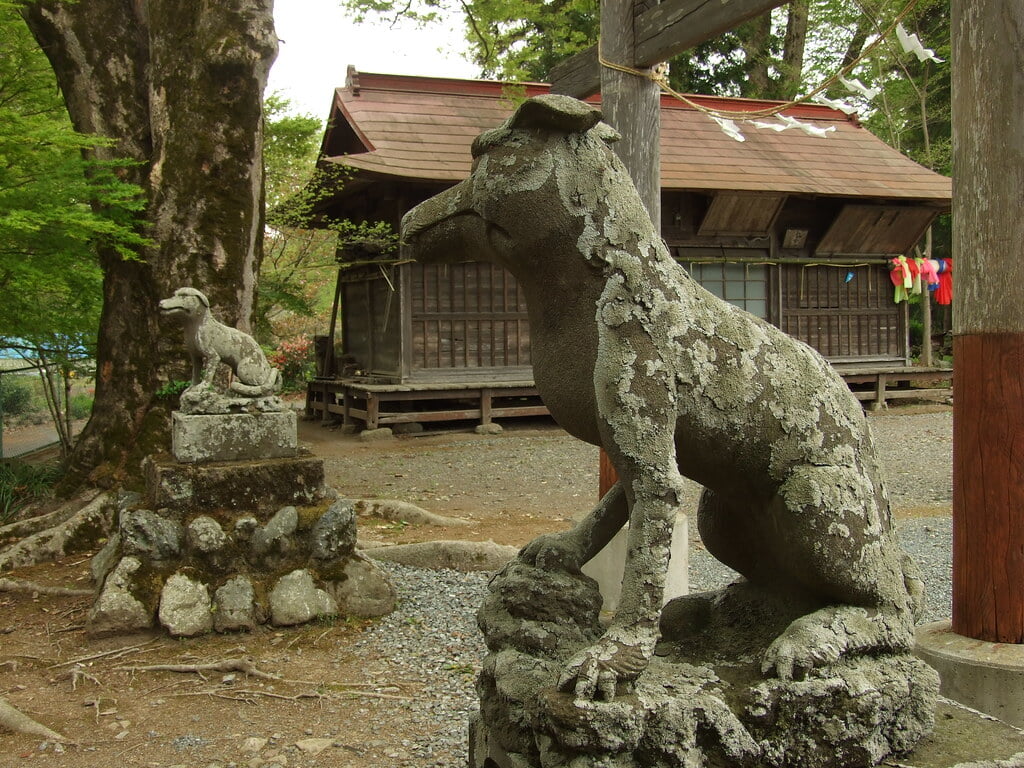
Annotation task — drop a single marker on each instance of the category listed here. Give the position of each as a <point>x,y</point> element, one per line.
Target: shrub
<point>80,406</point>
<point>15,395</point>
<point>21,484</point>
<point>295,359</point>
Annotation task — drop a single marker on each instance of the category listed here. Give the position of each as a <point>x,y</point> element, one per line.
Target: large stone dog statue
<point>632,354</point>
<point>210,343</point>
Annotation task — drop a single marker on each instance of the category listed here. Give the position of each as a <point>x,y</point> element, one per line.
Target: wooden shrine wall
<point>465,319</point>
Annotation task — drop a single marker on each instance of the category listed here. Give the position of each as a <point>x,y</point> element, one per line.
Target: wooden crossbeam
<point>663,31</point>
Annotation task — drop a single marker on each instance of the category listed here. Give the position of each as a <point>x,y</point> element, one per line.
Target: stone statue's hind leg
<point>833,540</point>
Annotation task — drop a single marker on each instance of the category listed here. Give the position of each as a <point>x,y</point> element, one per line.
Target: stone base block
<point>265,484</point>
<point>962,738</point>
<point>988,677</point>
<point>233,436</point>
<point>703,699</point>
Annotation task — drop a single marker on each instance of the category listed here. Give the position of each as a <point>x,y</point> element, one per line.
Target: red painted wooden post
<point>988,487</point>
<point>988,357</point>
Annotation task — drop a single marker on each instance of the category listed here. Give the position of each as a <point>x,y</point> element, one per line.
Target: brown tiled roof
<point>421,128</point>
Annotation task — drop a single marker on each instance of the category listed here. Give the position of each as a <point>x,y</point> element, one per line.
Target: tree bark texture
<point>988,244</point>
<point>793,49</point>
<point>178,88</point>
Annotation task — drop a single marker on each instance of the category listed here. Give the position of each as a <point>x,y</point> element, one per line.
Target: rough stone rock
<point>334,535</point>
<point>234,605</point>
<point>364,590</point>
<point>488,429</point>
<point>253,744</point>
<point>274,540</point>
<point>205,535</point>
<point>150,536</point>
<point>185,607</point>
<point>295,599</point>
<point>371,435</point>
<point>117,609</point>
<point>103,562</point>
<point>703,699</point>
<point>313,746</point>
<point>403,511</point>
<point>245,527</point>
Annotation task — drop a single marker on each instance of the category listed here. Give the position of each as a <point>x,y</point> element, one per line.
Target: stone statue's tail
<point>271,385</point>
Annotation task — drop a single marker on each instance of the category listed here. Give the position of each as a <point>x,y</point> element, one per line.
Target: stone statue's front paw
<point>554,551</point>
<point>596,672</point>
<point>794,653</point>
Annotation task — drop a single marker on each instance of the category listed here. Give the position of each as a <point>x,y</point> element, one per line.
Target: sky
<point>319,40</point>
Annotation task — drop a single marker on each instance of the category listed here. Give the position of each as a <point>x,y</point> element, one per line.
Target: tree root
<point>56,541</point>
<point>30,587</point>
<point>403,511</point>
<point>21,528</point>
<point>224,665</point>
<point>13,720</point>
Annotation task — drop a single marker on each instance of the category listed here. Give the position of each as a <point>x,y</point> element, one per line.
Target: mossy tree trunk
<point>178,87</point>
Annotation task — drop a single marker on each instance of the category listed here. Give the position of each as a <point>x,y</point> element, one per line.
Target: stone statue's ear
<point>555,112</point>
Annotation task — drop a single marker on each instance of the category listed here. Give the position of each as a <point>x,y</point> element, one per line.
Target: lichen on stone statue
<point>210,343</point>
<point>631,354</point>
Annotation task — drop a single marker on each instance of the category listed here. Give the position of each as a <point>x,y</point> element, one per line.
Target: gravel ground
<point>432,637</point>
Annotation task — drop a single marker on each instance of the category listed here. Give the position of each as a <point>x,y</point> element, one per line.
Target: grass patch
<point>22,484</point>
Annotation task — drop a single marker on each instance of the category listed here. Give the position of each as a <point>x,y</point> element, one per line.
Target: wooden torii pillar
<point>988,327</point>
<point>639,35</point>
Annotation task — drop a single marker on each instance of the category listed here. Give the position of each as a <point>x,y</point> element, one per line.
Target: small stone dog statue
<point>209,343</point>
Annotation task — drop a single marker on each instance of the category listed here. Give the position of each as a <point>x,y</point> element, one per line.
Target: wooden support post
<point>325,413</point>
<point>329,353</point>
<point>631,105</point>
<point>485,405</point>
<point>880,383</point>
<point>988,326</point>
<point>372,411</point>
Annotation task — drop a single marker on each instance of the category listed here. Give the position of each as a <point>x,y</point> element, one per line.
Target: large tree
<point>177,88</point>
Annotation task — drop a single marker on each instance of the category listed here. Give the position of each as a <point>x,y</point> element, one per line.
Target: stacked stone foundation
<point>225,544</point>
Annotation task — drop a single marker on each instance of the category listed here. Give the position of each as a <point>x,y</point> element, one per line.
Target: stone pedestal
<point>233,436</point>
<point>236,530</point>
<point>702,700</point>
<point>258,484</point>
<point>988,677</point>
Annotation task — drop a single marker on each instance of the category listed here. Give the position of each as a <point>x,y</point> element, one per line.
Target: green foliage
<point>15,395</point>
<point>172,389</point>
<point>58,203</point>
<point>22,484</point>
<point>299,264</point>
<point>80,406</point>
